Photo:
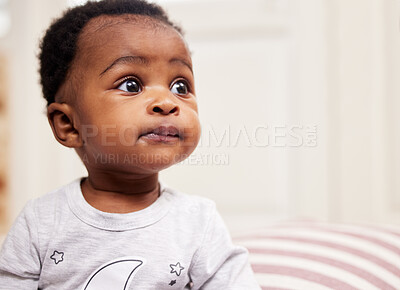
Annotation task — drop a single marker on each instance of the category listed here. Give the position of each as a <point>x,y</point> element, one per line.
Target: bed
<point>310,255</point>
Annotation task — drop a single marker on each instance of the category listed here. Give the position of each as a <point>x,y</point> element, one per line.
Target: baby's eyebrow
<point>127,59</point>
<point>182,61</point>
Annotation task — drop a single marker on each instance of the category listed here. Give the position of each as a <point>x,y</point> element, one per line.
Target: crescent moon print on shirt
<point>117,274</point>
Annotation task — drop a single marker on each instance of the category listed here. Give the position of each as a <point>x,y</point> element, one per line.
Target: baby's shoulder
<point>50,206</point>
<point>193,205</point>
<point>184,197</point>
<point>54,197</point>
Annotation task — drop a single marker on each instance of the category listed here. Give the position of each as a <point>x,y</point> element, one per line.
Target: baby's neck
<point>116,194</point>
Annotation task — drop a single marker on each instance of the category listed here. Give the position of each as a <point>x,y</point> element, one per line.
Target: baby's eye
<point>180,88</point>
<point>131,86</point>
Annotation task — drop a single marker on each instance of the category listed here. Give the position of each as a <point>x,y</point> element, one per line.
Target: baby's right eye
<point>130,86</point>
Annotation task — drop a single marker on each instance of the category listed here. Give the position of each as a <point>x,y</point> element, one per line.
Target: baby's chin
<point>136,163</point>
<point>162,157</point>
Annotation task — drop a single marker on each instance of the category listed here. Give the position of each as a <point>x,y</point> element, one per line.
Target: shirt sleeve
<point>19,255</point>
<point>218,264</point>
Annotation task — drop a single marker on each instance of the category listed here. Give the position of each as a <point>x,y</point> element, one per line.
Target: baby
<point>118,79</point>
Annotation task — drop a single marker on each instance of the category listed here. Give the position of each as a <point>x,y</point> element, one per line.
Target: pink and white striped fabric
<point>311,255</point>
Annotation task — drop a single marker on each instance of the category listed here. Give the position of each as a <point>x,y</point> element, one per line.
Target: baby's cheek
<point>192,132</point>
<point>127,136</point>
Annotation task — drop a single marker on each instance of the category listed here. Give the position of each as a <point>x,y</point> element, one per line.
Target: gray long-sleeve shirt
<point>59,242</point>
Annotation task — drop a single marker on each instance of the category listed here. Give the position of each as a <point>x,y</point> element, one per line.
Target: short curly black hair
<point>59,44</point>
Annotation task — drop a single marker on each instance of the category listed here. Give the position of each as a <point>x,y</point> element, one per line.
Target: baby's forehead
<point>101,23</point>
<point>104,29</point>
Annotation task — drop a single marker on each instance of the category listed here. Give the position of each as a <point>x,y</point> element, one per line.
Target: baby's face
<point>136,102</point>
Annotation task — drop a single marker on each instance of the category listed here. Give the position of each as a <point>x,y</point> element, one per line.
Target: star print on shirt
<point>172,283</point>
<point>57,257</point>
<point>176,268</point>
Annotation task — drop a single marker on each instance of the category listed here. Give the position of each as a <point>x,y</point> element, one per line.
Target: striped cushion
<point>311,255</point>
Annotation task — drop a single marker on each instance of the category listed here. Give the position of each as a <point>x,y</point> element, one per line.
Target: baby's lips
<point>164,131</point>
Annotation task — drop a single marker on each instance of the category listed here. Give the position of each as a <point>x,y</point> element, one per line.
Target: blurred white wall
<point>299,102</point>
<point>37,162</point>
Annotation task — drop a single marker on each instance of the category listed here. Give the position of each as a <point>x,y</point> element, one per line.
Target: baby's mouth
<point>162,133</point>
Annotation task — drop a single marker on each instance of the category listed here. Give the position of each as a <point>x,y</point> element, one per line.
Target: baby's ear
<point>61,119</point>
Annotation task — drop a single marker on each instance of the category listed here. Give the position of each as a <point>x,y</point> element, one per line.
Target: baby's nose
<point>164,107</point>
